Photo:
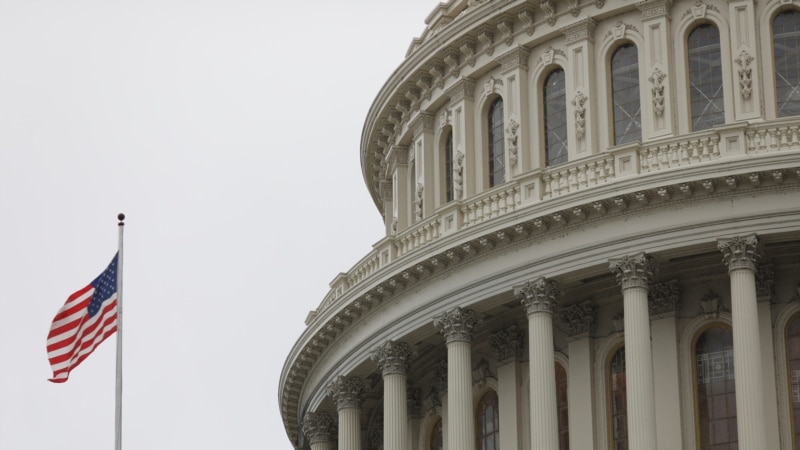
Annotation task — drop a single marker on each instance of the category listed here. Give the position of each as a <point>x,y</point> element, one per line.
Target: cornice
<point>477,242</point>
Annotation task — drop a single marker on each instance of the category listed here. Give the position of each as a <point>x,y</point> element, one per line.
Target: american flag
<point>87,318</point>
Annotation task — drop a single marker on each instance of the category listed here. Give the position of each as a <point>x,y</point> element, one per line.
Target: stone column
<point>740,255</point>
<point>393,358</point>
<point>514,70</point>
<point>658,69</point>
<point>462,106</point>
<point>539,297</point>
<point>634,274</point>
<point>664,300</point>
<point>425,176</point>
<point>348,394</point>
<point>457,326</point>
<point>509,347</point>
<point>318,428</point>
<point>581,77</point>
<point>579,320</point>
<point>401,203</point>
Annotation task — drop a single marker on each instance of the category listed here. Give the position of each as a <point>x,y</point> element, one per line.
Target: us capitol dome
<point>592,237</point>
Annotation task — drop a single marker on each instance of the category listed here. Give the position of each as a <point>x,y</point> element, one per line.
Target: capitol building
<point>592,237</point>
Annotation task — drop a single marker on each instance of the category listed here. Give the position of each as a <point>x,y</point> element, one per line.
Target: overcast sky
<point>228,131</point>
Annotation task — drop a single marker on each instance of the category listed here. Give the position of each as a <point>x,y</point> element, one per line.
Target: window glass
<point>488,426</point>
<point>625,95</point>
<point>786,48</point>
<point>561,401</point>
<point>555,118</point>
<point>705,78</point>
<point>497,150</point>
<point>448,167</point>
<point>716,394</point>
<point>619,407</point>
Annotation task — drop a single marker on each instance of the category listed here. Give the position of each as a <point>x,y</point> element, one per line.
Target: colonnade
<point>539,297</point>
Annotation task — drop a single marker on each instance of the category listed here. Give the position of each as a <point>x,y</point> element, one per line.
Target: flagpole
<point>118,396</point>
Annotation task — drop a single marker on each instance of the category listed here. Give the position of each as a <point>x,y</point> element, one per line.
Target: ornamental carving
<point>657,78</point>
<point>481,373</point>
<point>579,102</point>
<point>527,21</point>
<point>458,171</point>
<point>440,377</point>
<point>375,430</point>
<point>579,318</point>
<point>346,392</point>
<point>418,201</point>
<point>579,31</point>
<point>414,402</point>
<point>508,344</point>
<point>393,357</point>
<point>745,74</point>
<point>765,278</point>
<point>549,10</point>
<point>710,305</point>
<point>739,252</point>
<point>620,30</point>
<point>633,271</point>
<point>574,8</point>
<point>549,54</point>
<point>513,59</point>
<point>511,133</point>
<point>491,85</point>
<point>664,297</point>
<point>457,324</point>
<point>698,11</point>
<point>319,427</point>
<point>654,8</point>
<point>539,295</point>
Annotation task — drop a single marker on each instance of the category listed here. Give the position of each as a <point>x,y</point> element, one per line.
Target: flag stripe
<point>88,317</point>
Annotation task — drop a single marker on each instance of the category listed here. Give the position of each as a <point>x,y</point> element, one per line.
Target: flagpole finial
<point>121,218</point>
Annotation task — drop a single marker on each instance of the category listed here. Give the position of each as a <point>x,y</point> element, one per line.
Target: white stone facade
<point>499,256</point>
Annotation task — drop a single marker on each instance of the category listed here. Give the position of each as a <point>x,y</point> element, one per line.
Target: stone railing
<point>773,137</point>
<point>727,143</point>
<point>418,235</point>
<point>679,152</point>
<point>489,205</point>
<point>582,174</point>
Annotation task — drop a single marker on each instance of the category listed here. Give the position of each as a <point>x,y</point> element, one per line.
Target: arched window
<point>488,422</point>
<point>448,168</point>
<point>555,118</point>
<point>793,365</point>
<point>786,49</point>
<point>625,95</point>
<point>705,77</point>
<point>561,402</point>
<point>716,394</point>
<point>618,394</point>
<point>436,442</point>
<point>497,149</point>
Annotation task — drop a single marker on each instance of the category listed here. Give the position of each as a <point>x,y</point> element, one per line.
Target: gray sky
<point>228,132</point>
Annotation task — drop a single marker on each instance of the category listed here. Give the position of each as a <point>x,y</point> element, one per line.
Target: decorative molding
<point>414,402</point>
<point>375,430</point>
<point>437,71</point>
<point>618,324</point>
<point>574,8</point>
<point>549,55</point>
<point>527,19</point>
<point>444,118</point>
<point>490,87</point>
<point>710,305</point>
<point>486,38</point>
<point>745,73</point>
<point>512,130</point>
<point>739,252</point>
<point>579,318</point>
<point>468,49</point>
<point>654,8</point>
<point>512,59</point>
<point>506,27</point>
<point>481,373</point>
<point>698,11</point>
<point>509,344</point>
<point>620,30</point>
<point>346,392</point>
<point>462,89</point>
<point>418,201</point>
<point>580,30</point>
<point>765,279</point>
<point>393,357</point>
<point>538,295</point>
<point>633,271</point>
<point>457,324</point>
<point>664,298</point>
<point>451,60</point>
<point>440,377</point>
<point>423,122</point>
<point>579,102</point>
<point>657,78</point>
<point>319,427</point>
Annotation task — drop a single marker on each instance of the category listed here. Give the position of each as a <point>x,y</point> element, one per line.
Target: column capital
<point>457,324</point>
<point>579,318</point>
<point>393,357</point>
<point>509,344</point>
<point>346,392</point>
<point>664,298</point>
<point>319,427</point>
<point>538,295</point>
<point>633,270</point>
<point>739,252</point>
